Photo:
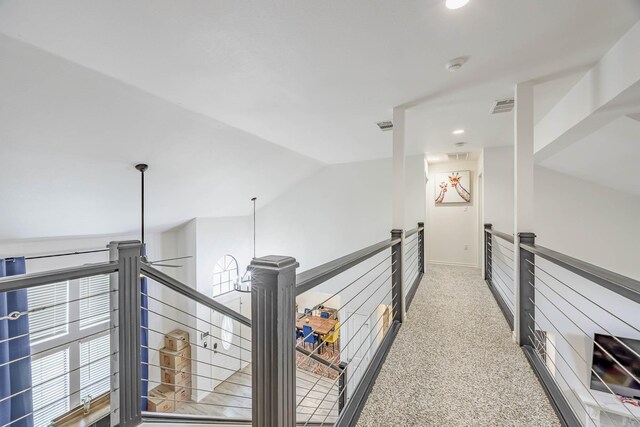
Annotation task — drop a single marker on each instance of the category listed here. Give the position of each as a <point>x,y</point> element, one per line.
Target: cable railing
<point>127,341</point>
<point>499,270</point>
<point>55,346</point>
<point>413,261</point>
<point>579,326</point>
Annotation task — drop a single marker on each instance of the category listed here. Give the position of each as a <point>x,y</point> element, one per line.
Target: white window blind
<point>95,363</point>
<point>94,300</point>
<point>53,320</point>
<point>50,379</point>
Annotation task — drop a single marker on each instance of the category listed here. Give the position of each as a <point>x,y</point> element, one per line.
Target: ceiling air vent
<point>385,126</point>
<point>502,106</point>
<point>458,156</point>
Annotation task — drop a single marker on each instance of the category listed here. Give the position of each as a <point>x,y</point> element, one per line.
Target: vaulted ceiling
<point>229,99</point>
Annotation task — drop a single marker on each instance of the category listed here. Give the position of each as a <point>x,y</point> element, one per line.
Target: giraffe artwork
<point>443,191</point>
<point>453,188</point>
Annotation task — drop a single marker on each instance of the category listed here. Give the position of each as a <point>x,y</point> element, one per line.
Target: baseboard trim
<point>454,264</point>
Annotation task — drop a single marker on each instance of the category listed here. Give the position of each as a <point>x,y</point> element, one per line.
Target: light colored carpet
<point>454,363</point>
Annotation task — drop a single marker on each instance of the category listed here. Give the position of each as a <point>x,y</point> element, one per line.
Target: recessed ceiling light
<point>456,4</point>
<point>458,132</point>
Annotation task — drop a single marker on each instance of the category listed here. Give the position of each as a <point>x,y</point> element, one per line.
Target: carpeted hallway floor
<point>454,363</point>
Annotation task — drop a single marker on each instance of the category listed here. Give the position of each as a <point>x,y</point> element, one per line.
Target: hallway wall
<point>498,188</point>
<point>451,228</point>
<point>338,210</point>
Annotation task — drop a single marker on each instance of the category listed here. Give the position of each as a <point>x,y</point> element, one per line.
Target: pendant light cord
<point>142,168</point>
<point>254,226</point>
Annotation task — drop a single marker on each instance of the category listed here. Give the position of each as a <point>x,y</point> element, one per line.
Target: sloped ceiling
<point>230,99</point>
<point>71,137</point>
<point>314,76</point>
<point>609,157</point>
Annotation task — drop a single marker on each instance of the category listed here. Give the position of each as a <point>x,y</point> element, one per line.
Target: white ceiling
<point>609,157</point>
<point>229,99</point>
<point>70,139</point>
<point>315,76</point>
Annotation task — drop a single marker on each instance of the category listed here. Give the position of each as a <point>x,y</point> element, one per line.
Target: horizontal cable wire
<point>57,400</point>
<point>356,310</point>
<point>414,262</point>
<point>206,363</point>
<point>17,314</point>
<point>56,346</point>
<point>346,345</point>
<point>503,286</point>
<point>501,269</point>
<point>350,284</point>
<point>575,291</point>
<point>503,279</point>
<point>584,314</point>
<point>507,248</point>
<point>355,334</point>
<point>411,240</point>
<point>506,295</point>
<point>352,298</point>
<point>565,380</point>
<point>203,403</point>
<point>61,324</point>
<point>194,316</point>
<point>411,252</point>
<point>586,334</point>
<point>60,376</point>
<point>576,351</point>
<point>371,342</point>
<point>499,256</point>
<point>190,327</point>
<point>222,380</point>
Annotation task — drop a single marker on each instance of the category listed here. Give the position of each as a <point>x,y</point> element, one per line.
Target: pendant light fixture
<point>243,284</point>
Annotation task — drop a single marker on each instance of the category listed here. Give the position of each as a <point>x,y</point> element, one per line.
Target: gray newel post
<point>273,333</point>
<point>397,285</point>
<point>487,256</point>
<point>125,401</point>
<point>527,291</point>
<point>421,246</point>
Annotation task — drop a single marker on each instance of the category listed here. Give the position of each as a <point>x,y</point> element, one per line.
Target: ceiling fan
<point>159,263</point>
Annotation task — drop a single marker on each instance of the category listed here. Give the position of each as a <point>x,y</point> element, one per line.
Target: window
<point>69,325</point>
<point>52,321</point>
<point>227,332</point>
<point>94,300</point>
<point>225,274</point>
<point>95,365</point>
<point>50,380</point>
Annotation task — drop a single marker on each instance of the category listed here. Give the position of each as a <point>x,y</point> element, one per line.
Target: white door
<point>356,352</point>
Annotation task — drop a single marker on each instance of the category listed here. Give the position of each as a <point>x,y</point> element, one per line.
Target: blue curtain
<point>144,338</point>
<point>14,344</point>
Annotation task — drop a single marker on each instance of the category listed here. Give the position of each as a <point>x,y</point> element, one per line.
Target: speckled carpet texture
<point>454,363</point>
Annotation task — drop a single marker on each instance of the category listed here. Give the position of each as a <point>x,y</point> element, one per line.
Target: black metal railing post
<point>421,246</point>
<point>273,334</point>
<point>527,291</point>
<point>397,285</point>
<point>125,342</point>
<point>487,254</point>
<point>342,387</point>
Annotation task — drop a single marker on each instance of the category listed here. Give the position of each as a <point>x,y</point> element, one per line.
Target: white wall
<point>587,221</point>
<point>336,211</point>
<point>452,227</point>
<point>415,198</point>
<point>498,188</point>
